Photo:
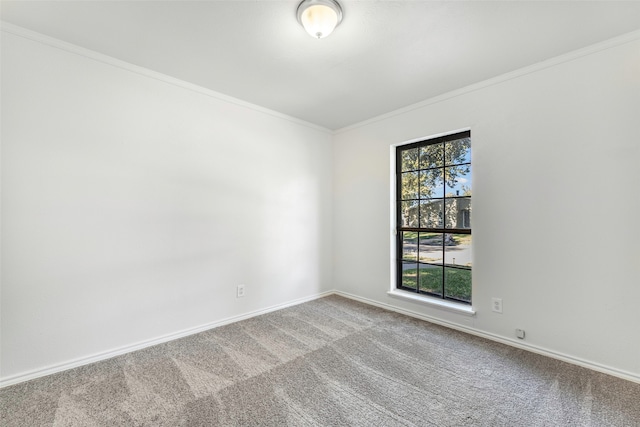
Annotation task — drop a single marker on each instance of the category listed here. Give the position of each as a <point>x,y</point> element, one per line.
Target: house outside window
<point>433,211</point>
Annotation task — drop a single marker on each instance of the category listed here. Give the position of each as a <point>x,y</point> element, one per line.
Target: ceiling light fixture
<point>319,17</point>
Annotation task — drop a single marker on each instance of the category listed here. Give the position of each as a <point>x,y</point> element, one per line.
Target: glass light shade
<point>319,17</point>
<point>319,20</point>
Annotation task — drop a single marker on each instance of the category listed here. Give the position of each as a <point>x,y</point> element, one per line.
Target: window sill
<point>466,310</point>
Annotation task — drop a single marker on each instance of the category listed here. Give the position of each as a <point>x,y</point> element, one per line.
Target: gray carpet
<point>329,362</point>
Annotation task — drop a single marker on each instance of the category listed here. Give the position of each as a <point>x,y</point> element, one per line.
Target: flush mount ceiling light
<point>319,17</point>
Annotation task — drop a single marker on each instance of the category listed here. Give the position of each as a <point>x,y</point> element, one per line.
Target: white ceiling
<point>385,55</point>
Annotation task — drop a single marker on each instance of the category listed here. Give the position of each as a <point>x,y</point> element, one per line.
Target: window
<point>433,211</point>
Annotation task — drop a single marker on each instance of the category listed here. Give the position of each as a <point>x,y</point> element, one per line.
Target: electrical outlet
<point>496,305</point>
<point>240,292</point>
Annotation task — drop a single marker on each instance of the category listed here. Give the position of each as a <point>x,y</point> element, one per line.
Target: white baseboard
<point>504,340</point>
<point>37,373</point>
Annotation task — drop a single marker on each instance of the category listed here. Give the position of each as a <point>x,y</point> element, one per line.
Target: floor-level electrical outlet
<point>240,292</point>
<point>496,305</point>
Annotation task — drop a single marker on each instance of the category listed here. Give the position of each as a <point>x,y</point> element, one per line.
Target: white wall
<point>132,207</point>
<point>556,204</point>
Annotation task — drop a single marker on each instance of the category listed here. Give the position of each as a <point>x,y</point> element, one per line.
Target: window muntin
<point>433,211</point>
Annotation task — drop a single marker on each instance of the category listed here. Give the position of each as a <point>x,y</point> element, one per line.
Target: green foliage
<point>423,184</point>
<point>427,171</point>
<point>457,281</point>
<point>436,155</point>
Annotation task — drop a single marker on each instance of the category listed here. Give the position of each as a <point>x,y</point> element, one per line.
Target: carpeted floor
<point>329,362</point>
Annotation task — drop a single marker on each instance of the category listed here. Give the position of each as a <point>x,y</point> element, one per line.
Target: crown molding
<point>552,62</point>
<point>109,60</point>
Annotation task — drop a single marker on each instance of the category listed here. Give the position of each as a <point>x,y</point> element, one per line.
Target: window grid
<point>411,264</point>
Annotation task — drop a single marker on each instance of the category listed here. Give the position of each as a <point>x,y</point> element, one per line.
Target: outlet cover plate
<point>496,305</point>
